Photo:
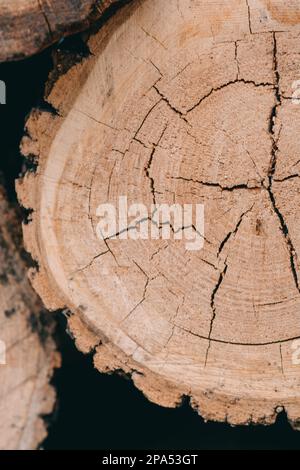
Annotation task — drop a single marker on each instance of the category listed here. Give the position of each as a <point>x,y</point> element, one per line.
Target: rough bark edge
<point>41,127</point>
<point>110,359</point>
<point>45,25</point>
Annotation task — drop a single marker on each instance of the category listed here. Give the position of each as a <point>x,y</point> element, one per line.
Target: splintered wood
<point>185,102</point>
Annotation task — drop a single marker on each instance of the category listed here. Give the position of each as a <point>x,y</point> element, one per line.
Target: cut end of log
<point>180,103</point>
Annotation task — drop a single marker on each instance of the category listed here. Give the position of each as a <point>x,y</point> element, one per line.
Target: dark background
<point>96,411</point>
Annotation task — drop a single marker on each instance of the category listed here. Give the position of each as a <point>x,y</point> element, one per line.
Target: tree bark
<point>27,352</point>
<point>184,102</point>
<point>28,26</point>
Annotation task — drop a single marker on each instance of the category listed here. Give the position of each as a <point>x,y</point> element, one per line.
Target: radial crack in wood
<point>189,103</point>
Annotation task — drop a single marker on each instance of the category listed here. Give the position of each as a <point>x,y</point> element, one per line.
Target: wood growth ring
<point>180,102</point>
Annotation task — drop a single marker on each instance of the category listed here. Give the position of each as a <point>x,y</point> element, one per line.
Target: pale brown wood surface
<point>28,26</point>
<point>29,356</point>
<point>188,102</point>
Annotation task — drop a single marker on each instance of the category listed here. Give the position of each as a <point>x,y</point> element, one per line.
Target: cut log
<point>27,352</point>
<point>185,102</point>
<point>28,26</point>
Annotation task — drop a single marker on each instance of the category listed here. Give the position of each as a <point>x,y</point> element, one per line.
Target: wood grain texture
<point>25,393</point>
<point>28,26</point>
<point>185,102</point>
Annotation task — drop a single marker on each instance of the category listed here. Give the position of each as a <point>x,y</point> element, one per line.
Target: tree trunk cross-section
<point>28,26</point>
<point>28,354</point>
<point>188,102</point>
